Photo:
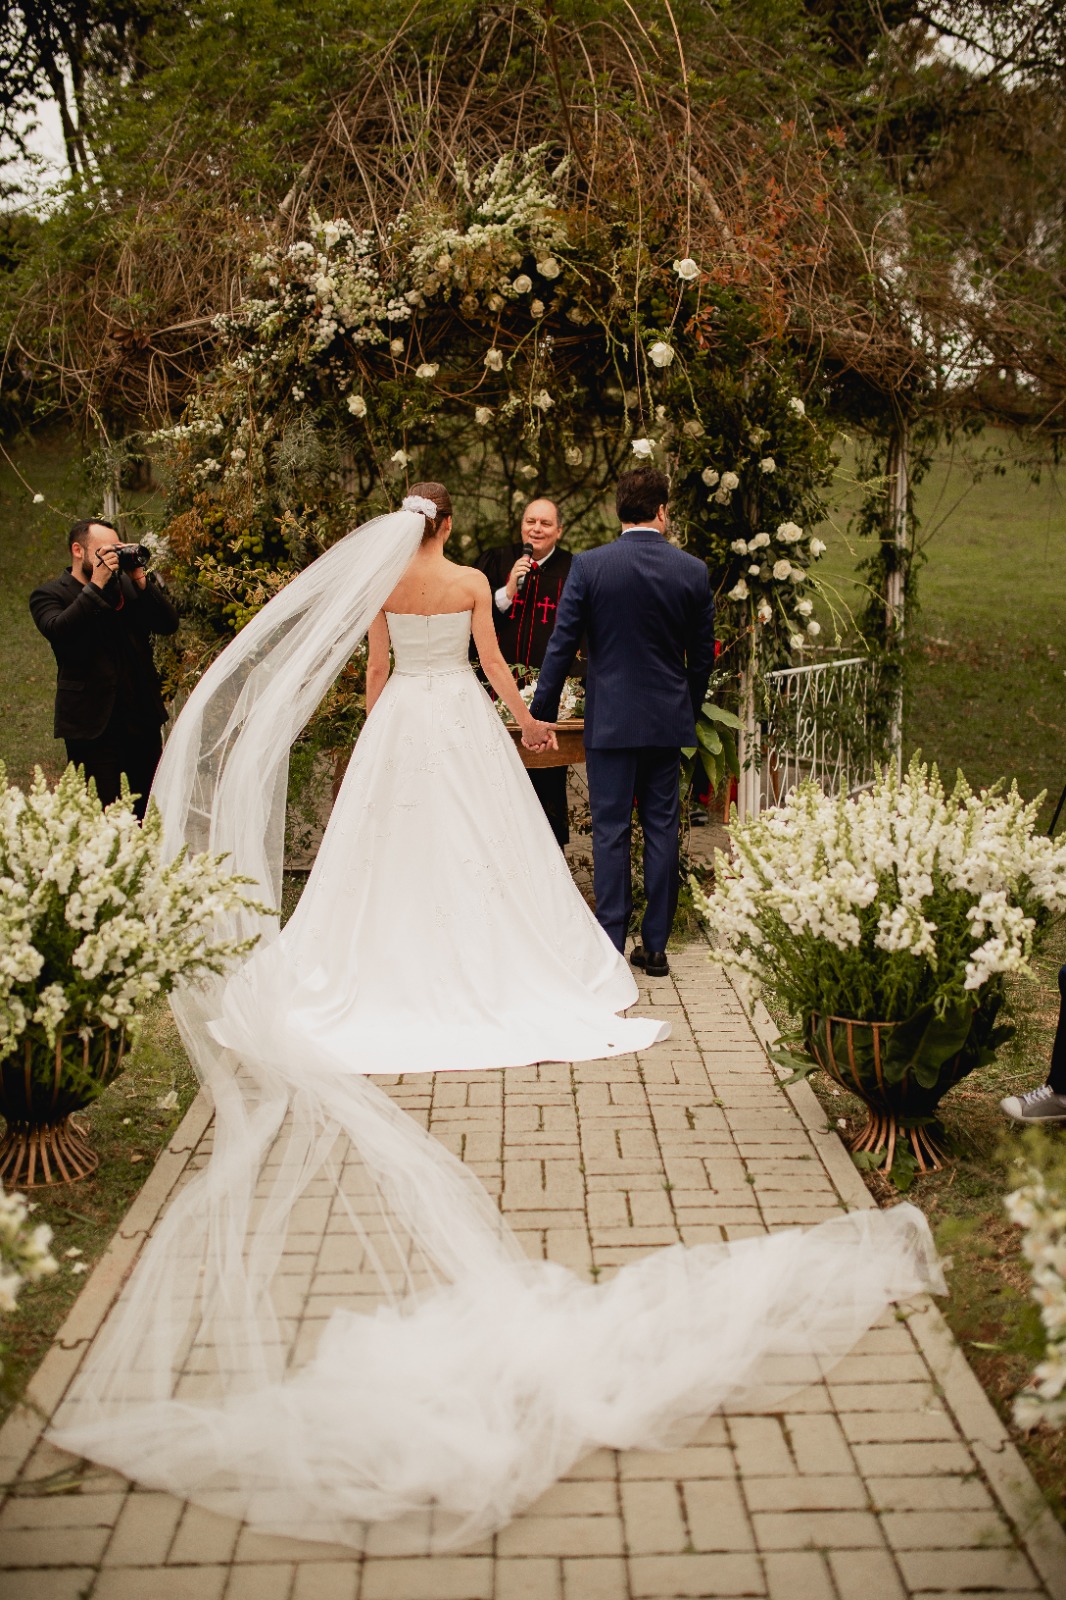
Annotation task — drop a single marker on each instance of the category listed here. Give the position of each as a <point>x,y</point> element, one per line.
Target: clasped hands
<point>106,568</point>
<point>539,736</point>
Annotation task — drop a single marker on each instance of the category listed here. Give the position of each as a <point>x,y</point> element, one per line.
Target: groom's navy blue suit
<point>647,613</point>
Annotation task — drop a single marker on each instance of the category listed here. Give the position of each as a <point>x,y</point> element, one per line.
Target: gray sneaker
<point>1039,1105</point>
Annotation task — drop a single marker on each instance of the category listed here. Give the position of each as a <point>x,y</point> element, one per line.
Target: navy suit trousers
<point>651,775</point>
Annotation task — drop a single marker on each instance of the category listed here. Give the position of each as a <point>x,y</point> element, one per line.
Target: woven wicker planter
<point>854,1053</point>
<point>41,1086</point>
<point>570,737</point>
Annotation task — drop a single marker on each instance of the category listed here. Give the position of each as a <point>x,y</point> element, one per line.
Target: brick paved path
<point>890,1478</point>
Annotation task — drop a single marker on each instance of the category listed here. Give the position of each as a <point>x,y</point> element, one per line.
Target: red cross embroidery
<point>544,606</point>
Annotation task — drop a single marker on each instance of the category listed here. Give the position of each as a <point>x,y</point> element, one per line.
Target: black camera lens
<point>131,556</point>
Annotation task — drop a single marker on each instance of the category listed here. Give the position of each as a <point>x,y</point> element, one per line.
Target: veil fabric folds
<point>444,1380</point>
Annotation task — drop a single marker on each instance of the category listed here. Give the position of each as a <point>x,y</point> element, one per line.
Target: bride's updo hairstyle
<point>438,494</point>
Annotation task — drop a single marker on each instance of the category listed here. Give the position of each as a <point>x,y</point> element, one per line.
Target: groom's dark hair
<point>640,493</point>
<point>440,498</point>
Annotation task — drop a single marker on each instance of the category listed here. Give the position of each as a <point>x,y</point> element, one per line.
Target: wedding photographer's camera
<point>130,556</point>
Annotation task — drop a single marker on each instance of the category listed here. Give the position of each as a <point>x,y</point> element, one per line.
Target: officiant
<point>526,589</point>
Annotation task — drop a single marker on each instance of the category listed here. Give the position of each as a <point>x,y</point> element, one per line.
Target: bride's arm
<point>377,666</point>
<point>535,734</point>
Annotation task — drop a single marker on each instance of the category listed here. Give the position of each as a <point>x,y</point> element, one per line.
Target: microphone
<point>527,550</point>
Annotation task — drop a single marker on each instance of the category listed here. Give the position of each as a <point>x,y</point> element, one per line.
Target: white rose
<point>767,464</point>
<point>483,416</point>
<point>660,413</point>
<point>527,470</point>
<point>357,405</point>
<point>796,641</point>
<point>399,458</point>
<point>782,569</point>
<point>805,607</point>
<point>574,456</point>
<point>760,541</point>
<point>549,267</point>
<point>536,308</point>
<point>522,284</point>
<point>495,302</point>
<point>427,369</point>
<point>709,476</point>
<point>796,405</point>
<point>721,497</point>
<point>817,548</point>
<point>739,547</point>
<point>765,611</point>
<point>739,591</point>
<point>494,360</point>
<point>642,449</point>
<point>730,481</point>
<point>543,400</point>
<point>814,628</point>
<point>38,499</point>
<point>397,347</point>
<point>797,575</point>
<point>754,570</point>
<point>686,269</point>
<point>693,429</point>
<point>661,353</point>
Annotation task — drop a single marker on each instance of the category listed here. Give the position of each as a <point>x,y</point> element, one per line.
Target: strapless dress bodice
<point>433,644</point>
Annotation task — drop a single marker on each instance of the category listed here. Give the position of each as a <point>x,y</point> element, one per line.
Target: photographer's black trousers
<point>133,752</point>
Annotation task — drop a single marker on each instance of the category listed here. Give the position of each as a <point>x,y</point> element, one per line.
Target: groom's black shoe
<point>653,962</point>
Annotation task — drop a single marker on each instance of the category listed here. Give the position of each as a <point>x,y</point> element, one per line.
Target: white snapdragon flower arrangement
<point>93,920</point>
<point>571,701</point>
<point>1038,1206</point>
<point>901,902</point>
<point>25,1254</point>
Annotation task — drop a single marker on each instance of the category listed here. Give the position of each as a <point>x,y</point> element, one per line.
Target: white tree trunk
<point>748,787</point>
<point>896,469</point>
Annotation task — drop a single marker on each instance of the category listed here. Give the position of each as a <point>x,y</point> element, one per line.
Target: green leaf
<point>709,740</point>
<point>718,714</point>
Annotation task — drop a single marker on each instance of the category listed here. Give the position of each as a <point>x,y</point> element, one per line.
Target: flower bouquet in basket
<point>93,922</point>
<point>886,923</point>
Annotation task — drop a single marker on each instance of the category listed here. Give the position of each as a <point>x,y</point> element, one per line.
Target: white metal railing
<point>816,722</point>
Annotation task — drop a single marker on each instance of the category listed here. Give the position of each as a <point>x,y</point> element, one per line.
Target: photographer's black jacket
<point>102,641</point>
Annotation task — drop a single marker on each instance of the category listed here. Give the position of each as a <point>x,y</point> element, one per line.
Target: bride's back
<point>432,585</point>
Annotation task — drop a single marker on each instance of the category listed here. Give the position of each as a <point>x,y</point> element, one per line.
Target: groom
<point>647,612</point>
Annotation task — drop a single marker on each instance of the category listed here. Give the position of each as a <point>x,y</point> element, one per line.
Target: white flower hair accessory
<point>424,507</point>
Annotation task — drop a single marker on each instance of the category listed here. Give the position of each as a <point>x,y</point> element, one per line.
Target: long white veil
<point>440,1381</point>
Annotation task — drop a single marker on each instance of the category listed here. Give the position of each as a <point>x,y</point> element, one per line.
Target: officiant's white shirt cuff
<point>503,599</point>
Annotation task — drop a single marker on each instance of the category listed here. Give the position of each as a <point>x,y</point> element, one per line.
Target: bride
<point>450,1380</point>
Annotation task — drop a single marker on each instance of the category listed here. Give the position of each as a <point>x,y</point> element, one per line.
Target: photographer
<point>99,618</point>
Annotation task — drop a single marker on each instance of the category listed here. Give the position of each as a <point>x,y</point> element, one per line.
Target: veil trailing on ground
<point>435,1381</point>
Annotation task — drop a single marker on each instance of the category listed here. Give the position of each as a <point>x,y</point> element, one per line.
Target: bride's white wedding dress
<point>455,1379</point>
<point>440,929</point>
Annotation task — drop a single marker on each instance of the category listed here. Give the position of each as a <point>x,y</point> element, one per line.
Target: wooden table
<point>570,737</point>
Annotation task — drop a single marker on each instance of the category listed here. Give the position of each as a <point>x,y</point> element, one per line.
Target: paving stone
<point>932,1530</point>
<point>529,1578</point>
<point>652,1513</point>
<point>37,1583</point>
<point>61,1511</point>
<point>944,1493</point>
<point>203,1536</point>
<point>327,1580</point>
<point>594,1578</point>
<point>438,1578</point>
<point>45,1546</point>
<point>865,1575</point>
<point>161,1583</point>
<point>806,1493</point>
<point>717,1517</point>
<point>561,1536</point>
<point>822,1530</point>
<point>698,1576</point>
<point>909,1460</point>
<point>966,1569</point>
<point>263,1581</point>
<point>799,1575</point>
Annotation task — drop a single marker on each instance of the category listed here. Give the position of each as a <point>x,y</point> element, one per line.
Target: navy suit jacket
<point>647,612</point>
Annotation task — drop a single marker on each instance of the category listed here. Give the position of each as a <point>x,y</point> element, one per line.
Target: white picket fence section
<point>817,722</point>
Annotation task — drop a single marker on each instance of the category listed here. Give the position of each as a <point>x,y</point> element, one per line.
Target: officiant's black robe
<point>523,632</point>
